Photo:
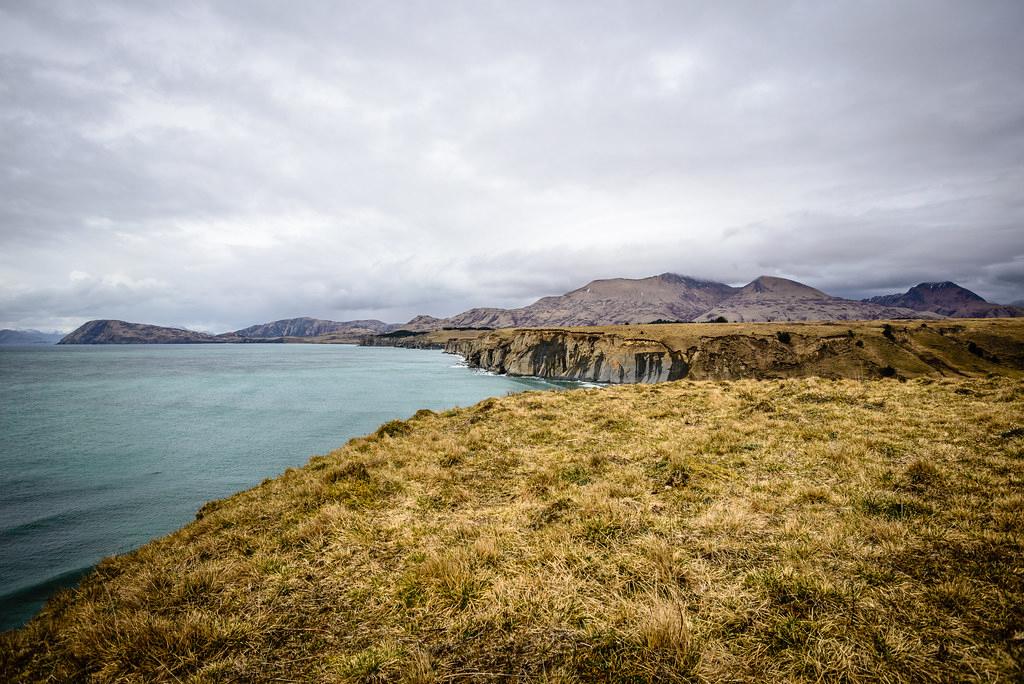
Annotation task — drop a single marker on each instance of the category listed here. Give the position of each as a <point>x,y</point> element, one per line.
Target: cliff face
<point>751,351</point>
<point>562,355</point>
<point>415,341</point>
<point>598,357</point>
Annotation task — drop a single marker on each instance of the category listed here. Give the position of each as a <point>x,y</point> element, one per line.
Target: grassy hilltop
<point>797,529</point>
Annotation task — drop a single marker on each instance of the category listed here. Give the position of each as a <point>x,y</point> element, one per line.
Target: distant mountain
<point>20,337</point>
<point>121,332</point>
<point>614,301</point>
<point>314,327</point>
<point>424,323</point>
<point>949,299</point>
<point>778,299</point>
<point>662,298</point>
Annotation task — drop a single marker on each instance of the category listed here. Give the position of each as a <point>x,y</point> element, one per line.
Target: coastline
<point>132,409</point>
<point>560,530</point>
<point>650,354</point>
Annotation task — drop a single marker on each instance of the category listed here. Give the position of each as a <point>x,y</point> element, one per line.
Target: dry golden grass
<point>790,530</point>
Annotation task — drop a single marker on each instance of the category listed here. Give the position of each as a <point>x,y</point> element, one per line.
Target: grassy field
<point>785,530</point>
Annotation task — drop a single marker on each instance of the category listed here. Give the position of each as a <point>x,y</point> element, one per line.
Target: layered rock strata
<point>563,355</point>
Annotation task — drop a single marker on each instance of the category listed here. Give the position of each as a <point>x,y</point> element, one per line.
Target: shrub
<point>720,319</point>
<point>887,331</point>
<point>784,337</point>
<point>393,428</point>
<point>887,371</point>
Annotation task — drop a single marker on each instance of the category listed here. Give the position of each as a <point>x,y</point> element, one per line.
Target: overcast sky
<point>213,165</point>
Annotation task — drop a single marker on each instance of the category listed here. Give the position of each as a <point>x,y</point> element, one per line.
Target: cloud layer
<point>215,165</point>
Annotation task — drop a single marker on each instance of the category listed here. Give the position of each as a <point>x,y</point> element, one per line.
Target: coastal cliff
<point>650,354</point>
<point>416,340</point>
<point>564,355</point>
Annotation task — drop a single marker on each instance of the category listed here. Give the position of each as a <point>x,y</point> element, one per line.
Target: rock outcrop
<point>412,340</point>
<point>563,355</point>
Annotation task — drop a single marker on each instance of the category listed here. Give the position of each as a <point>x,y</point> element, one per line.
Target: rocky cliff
<point>563,355</point>
<point>418,340</point>
<point>723,352</point>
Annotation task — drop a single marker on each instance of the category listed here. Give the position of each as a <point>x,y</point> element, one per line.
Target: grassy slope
<point>791,529</point>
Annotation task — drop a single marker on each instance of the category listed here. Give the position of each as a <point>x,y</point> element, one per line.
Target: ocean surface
<point>103,448</point>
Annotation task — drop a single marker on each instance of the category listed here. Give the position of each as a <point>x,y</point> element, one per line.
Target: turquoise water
<point>103,448</point>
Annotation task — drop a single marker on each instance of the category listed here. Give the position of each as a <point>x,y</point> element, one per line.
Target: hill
<point>313,327</point>
<point>783,530</point>
<point>948,299</point>
<point>106,331</point>
<point>21,337</point>
<point>778,299</point>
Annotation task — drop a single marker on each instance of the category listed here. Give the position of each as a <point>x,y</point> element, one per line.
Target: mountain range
<point>106,331</point>
<point>662,298</point>
<point>671,297</point>
<point>23,337</point>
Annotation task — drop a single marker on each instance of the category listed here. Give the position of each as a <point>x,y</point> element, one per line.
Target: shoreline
<point>22,579</point>
<point>685,501</point>
<point>650,354</point>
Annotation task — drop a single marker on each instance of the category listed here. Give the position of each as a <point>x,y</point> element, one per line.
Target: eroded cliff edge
<point>564,355</point>
<point>630,354</point>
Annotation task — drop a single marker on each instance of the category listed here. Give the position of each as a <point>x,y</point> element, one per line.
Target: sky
<point>214,165</point>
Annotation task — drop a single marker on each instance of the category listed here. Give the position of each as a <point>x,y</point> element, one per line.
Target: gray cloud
<point>219,164</point>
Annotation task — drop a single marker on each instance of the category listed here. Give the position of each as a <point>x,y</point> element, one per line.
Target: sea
<point>105,447</point>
